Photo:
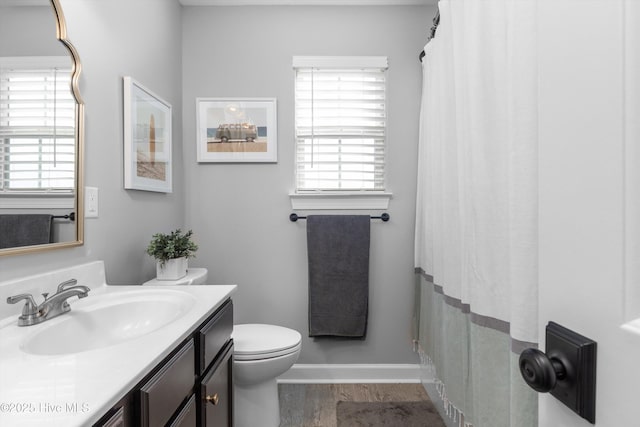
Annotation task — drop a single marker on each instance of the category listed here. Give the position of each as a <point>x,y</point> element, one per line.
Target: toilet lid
<point>257,341</point>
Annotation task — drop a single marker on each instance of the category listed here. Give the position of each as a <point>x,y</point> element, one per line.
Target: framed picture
<point>147,139</point>
<point>237,130</point>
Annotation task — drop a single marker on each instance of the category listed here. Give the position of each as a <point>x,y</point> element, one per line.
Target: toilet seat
<point>258,341</point>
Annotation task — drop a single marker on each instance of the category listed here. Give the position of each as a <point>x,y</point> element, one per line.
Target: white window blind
<point>340,120</point>
<point>37,126</point>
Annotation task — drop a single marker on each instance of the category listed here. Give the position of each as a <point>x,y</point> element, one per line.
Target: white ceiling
<point>308,2</point>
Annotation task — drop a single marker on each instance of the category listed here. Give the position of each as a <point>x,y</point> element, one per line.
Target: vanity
<point>192,386</point>
<point>123,356</point>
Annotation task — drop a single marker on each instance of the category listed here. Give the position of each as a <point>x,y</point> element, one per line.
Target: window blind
<point>340,127</point>
<point>37,129</point>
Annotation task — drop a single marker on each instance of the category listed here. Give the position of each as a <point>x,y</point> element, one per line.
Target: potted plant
<point>172,252</point>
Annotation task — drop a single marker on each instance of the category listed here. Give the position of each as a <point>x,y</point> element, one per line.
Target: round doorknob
<point>540,371</point>
<point>212,399</point>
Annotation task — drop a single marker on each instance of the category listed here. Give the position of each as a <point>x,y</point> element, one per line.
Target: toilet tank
<point>195,276</point>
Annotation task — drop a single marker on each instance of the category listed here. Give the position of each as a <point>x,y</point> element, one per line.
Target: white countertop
<point>77,389</point>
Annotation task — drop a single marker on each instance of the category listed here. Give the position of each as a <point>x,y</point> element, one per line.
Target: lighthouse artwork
<point>147,137</point>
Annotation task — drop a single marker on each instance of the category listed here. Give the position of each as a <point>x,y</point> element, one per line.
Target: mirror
<point>41,130</point>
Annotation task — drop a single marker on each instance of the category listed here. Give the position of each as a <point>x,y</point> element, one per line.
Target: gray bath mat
<point>392,414</point>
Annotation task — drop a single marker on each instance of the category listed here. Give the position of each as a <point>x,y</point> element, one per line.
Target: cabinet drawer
<point>216,392</point>
<point>213,336</point>
<point>186,417</point>
<point>161,396</point>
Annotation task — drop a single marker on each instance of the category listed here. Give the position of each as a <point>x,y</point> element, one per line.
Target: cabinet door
<point>161,396</point>
<point>116,420</point>
<point>186,417</point>
<point>216,392</point>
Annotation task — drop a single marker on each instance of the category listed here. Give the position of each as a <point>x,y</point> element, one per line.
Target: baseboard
<point>352,373</point>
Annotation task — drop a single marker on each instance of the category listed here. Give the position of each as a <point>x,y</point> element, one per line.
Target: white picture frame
<point>237,130</point>
<point>147,139</point>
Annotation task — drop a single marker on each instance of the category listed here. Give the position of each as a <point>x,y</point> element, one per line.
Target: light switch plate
<point>90,202</point>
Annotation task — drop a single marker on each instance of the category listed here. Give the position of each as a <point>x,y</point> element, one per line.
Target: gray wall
<point>240,211</point>
<point>116,38</point>
<point>28,31</point>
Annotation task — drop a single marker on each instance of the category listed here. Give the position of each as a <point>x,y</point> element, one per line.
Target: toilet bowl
<point>261,353</point>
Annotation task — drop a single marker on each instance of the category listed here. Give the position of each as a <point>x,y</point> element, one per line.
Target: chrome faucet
<point>52,306</point>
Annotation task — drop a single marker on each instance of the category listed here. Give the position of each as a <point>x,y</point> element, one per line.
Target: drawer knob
<point>212,399</point>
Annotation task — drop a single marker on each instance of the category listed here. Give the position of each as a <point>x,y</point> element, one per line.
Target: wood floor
<point>314,405</point>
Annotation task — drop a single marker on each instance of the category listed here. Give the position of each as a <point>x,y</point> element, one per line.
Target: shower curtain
<point>476,219</point>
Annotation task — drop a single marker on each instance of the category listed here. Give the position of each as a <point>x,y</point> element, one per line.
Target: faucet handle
<point>66,284</point>
<point>29,308</point>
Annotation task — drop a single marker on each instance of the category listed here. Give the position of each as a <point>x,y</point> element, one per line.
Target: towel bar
<point>70,217</point>
<point>384,217</point>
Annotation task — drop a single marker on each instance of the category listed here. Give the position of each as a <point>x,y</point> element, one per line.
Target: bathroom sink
<point>106,320</point>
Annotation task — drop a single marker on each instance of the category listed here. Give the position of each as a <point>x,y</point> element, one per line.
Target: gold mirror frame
<point>61,35</point>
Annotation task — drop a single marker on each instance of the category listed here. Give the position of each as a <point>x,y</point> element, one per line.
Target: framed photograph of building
<point>237,130</point>
<point>147,139</point>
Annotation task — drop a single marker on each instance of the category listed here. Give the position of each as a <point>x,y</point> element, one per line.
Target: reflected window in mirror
<point>37,133</point>
<point>41,134</point>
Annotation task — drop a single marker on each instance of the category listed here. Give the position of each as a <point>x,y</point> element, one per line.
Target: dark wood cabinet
<point>163,394</point>
<point>115,420</point>
<point>213,336</point>
<point>187,417</point>
<point>216,391</point>
<point>192,386</point>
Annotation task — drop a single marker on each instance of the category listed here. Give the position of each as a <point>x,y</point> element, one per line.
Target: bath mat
<point>392,414</point>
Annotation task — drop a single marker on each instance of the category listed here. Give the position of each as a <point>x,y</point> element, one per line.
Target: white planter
<point>172,269</point>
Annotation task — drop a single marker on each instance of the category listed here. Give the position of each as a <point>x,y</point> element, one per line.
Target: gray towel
<point>24,230</point>
<point>338,252</point>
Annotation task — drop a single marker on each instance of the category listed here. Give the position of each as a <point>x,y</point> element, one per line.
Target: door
<point>216,392</point>
<point>588,194</point>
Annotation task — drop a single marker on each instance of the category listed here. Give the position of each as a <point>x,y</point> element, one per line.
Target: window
<point>37,121</point>
<point>340,120</point>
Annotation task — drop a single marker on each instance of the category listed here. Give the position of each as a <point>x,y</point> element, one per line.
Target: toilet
<point>261,353</point>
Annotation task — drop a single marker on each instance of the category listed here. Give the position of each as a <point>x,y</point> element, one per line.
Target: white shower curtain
<point>476,235</point>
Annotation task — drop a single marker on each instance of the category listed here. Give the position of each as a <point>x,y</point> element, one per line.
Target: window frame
<point>332,198</point>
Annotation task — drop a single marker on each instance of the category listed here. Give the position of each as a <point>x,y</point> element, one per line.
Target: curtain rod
<point>436,22</point>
